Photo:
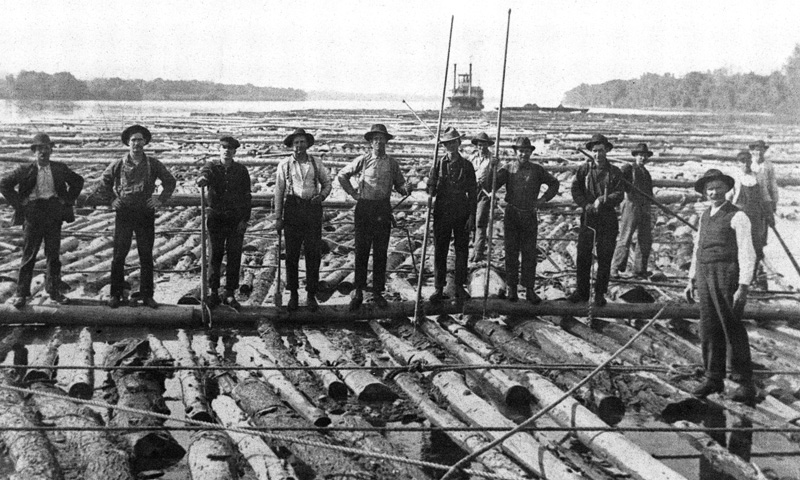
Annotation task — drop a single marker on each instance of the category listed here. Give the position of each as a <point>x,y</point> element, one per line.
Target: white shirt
<point>45,188</point>
<point>744,243</point>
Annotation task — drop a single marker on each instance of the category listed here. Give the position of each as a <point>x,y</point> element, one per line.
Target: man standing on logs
<point>722,269</point>
<point>635,215</point>
<point>747,196</point>
<point>128,184</point>
<point>765,175</point>
<point>453,184</point>
<point>479,160</point>
<point>597,188</point>
<point>301,185</point>
<point>42,194</point>
<point>378,174</point>
<point>229,205</point>
<point>523,180</point>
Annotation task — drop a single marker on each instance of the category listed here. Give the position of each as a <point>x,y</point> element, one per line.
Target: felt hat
<point>450,134</point>
<point>598,138</point>
<point>378,128</point>
<point>523,142</point>
<point>744,156</point>
<point>713,174</point>
<point>642,149</point>
<point>41,139</point>
<point>482,137</point>
<point>128,132</point>
<point>230,141</point>
<point>297,132</point>
<point>760,144</point>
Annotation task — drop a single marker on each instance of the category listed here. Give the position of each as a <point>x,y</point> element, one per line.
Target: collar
<point>130,161</point>
<point>308,158</point>
<point>528,164</point>
<point>714,209</point>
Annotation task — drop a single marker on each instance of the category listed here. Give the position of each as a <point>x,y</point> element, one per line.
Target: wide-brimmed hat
<point>230,141</point>
<point>41,139</point>
<point>378,128</point>
<point>642,149</point>
<point>598,138</point>
<point>744,156</point>
<point>450,134</point>
<point>523,142</point>
<point>128,132</point>
<point>482,137</point>
<point>297,132</point>
<point>713,174</point>
<point>759,144</point>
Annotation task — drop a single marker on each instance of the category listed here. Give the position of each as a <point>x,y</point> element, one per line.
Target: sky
<point>398,47</point>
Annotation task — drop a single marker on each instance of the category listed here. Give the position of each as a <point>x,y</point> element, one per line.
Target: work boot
<point>294,301</point>
<point>462,294</point>
<point>438,295</point>
<point>708,387</point>
<point>356,299</point>
<point>19,301</point>
<point>213,300</point>
<point>114,301</point>
<point>311,302</point>
<point>59,298</point>
<point>149,302</point>
<point>532,297</point>
<point>230,300</point>
<point>746,393</point>
<point>379,301</point>
<point>599,300</point>
<point>512,293</point>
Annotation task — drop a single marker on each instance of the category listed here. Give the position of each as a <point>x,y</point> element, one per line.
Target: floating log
<point>30,451</point>
<point>366,386</point>
<point>722,460</point>
<point>211,456</point>
<point>40,370</point>
<point>82,383</point>
<point>11,341</point>
<point>336,388</point>
<point>194,400</point>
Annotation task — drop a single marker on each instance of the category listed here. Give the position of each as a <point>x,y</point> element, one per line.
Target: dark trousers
<point>373,221</point>
<point>139,221</point>
<point>605,223</point>
<point>722,333</point>
<point>302,231</point>
<point>42,223</point>
<point>226,237</point>
<point>521,231</point>
<point>634,219</point>
<point>445,228</point>
<point>481,225</point>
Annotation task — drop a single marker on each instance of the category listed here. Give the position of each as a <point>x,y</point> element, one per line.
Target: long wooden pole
<point>786,249</point>
<point>206,313</point>
<point>494,169</point>
<point>421,276</point>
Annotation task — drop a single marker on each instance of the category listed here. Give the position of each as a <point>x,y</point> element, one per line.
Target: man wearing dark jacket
<point>597,188</point>
<point>42,194</point>
<point>229,204</point>
<point>128,185</point>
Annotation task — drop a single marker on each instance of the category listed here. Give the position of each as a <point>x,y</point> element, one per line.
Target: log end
<point>518,397</point>
<point>337,390</point>
<point>322,421</point>
<point>81,390</point>
<point>377,392</point>
<point>611,410</point>
<point>157,450</point>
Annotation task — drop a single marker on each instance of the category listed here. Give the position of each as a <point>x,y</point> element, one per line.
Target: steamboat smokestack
<point>455,77</point>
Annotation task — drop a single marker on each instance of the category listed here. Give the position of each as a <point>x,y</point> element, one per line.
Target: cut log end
<point>337,390</point>
<point>81,390</point>
<point>157,450</point>
<point>611,410</point>
<point>518,397</point>
<point>377,392</point>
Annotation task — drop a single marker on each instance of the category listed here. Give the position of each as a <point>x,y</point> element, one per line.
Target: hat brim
<point>288,140</point>
<point>609,145</point>
<point>368,136</point>
<point>647,153</point>
<point>476,141</point>
<point>234,144</point>
<point>453,139</point>
<point>700,184</point>
<point>128,133</point>
<point>34,145</point>
<point>753,146</point>
<point>517,147</point>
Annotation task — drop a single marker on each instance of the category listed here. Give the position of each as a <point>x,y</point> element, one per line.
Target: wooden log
<point>30,451</point>
<point>94,455</point>
<point>366,386</point>
<point>526,449</point>
<point>336,388</point>
<point>82,383</point>
<point>723,461</point>
<point>10,341</point>
<point>212,456</point>
<point>40,370</point>
<point>194,400</point>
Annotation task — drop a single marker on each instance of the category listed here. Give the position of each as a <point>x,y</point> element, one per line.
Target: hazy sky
<point>399,46</point>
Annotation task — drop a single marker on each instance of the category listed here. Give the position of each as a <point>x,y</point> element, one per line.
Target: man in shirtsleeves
<point>523,180</point>
<point>597,188</point>
<point>635,217</point>
<point>301,184</point>
<point>377,175</point>
<point>721,271</point>
<point>747,196</point>
<point>229,205</point>
<point>764,171</point>
<point>128,185</point>
<point>42,194</point>
<point>452,181</point>
<point>479,160</point>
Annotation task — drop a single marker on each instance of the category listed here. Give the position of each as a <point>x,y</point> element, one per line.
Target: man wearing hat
<point>523,180</point>
<point>635,217</point>
<point>747,196</point>
<point>597,188</point>
<point>765,174</point>
<point>479,160</point>
<point>453,184</point>
<point>229,204</point>
<point>721,271</point>
<point>301,184</point>
<point>377,174</point>
<point>42,194</point>
<point>128,185</point>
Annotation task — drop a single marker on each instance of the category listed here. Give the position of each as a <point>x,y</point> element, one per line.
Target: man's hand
<point>316,199</point>
<point>470,223</point>
<point>770,220</point>
<point>154,203</point>
<point>202,182</point>
<point>590,209</point>
<point>116,204</point>
<point>740,297</point>
<point>689,292</point>
<point>597,203</point>
<point>279,225</point>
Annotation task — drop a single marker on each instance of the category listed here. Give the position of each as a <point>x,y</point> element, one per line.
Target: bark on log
<point>31,451</point>
<point>194,401</point>
<point>336,388</point>
<point>525,449</point>
<point>40,370</point>
<point>82,383</point>
<point>211,456</point>
<point>366,386</point>
<point>723,461</point>
<point>10,341</point>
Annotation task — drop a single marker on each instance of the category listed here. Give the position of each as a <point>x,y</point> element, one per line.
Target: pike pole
<point>206,312</point>
<point>420,278</point>
<point>494,171</point>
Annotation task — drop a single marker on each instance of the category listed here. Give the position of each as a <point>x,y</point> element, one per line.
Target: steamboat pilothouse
<point>466,96</point>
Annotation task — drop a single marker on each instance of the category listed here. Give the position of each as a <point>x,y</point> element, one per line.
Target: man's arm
<point>398,180</point>
<point>75,184</point>
<point>348,171</point>
<point>433,177</point>
<point>168,182</point>
<point>744,243</point>
<point>579,189</point>
<point>616,189</point>
<point>205,174</point>
<point>280,190</point>
<point>246,186</point>
<point>772,185</point>
<point>324,180</point>
<point>689,292</point>
<point>552,185</point>
<point>104,191</point>
<point>8,187</point>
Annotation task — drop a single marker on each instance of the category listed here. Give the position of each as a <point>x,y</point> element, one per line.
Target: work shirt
<point>45,188</point>
<point>765,174</point>
<point>453,182</point>
<point>523,183</point>
<point>639,177</point>
<point>376,176</point>
<point>134,183</point>
<point>228,187</point>
<point>745,253</point>
<point>302,179</point>
<point>592,182</point>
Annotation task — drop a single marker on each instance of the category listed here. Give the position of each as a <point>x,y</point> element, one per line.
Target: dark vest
<point>718,238</point>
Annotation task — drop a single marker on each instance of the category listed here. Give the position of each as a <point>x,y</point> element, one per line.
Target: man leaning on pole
<point>481,158</point>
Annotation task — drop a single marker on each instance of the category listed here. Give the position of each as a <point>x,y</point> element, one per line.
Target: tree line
<point>719,90</point>
<point>29,85</point>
